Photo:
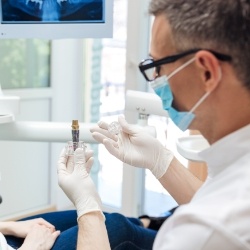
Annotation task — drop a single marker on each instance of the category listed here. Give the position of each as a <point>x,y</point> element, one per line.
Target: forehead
<point>161,38</point>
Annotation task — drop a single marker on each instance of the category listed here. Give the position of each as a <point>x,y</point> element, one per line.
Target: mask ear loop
<point>180,68</point>
<point>199,102</point>
<point>160,81</point>
<point>220,74</point>
<point>205,95</point>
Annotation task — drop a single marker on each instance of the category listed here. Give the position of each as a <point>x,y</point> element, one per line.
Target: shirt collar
<point>223,152</point>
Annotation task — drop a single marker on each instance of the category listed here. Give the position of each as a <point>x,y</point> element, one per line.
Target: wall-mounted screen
<point>53,19</point>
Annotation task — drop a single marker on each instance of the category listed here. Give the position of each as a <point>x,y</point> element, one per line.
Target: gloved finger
<point>113,149</point>
<point>96,128</point>
<point>79,157</point>
<point>88,154</point>
<point>71,160</point>
<point>100,137</point>
<point>103,125</point>
<point>62,161</point>
<point>126,127</point>
<point>103,131</point>
<point>89,164</point>
<point>70,164</point>
<point>63,156</point>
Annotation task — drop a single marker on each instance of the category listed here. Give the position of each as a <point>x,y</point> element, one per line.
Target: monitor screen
<point>53,19</point>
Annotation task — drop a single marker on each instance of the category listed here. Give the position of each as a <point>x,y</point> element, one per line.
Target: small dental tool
<point>75,132</point>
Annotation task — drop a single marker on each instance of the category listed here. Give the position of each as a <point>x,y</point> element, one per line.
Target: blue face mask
<point>162,89</point>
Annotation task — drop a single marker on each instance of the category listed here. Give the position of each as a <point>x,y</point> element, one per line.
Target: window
<point>24,63</point>
<point>113,68</point>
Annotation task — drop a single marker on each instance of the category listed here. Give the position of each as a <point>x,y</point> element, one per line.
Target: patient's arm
<point>22,228</point>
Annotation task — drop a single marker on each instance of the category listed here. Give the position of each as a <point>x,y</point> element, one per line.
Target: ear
<point>210,69</point>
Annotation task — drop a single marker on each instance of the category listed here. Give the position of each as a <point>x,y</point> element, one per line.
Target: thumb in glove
<point>78,185</point>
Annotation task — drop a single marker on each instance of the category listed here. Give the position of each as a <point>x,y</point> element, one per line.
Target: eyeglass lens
<point>151,73</point>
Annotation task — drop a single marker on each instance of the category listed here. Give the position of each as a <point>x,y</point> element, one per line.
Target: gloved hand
<point>134,146</point>
<point>76,183</point>
<point>71,161</point>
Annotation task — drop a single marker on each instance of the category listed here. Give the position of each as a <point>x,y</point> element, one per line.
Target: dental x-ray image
<point>52,11</point>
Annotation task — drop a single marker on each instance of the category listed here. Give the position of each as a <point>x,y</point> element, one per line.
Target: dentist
<point>199,66</point>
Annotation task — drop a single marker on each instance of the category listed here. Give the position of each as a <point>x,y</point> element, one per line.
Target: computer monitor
<point>55,19</point>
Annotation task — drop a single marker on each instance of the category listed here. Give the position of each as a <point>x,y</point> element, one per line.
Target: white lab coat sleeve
<point>180,237</point>
<point>3,243</point>
<point>195,235</point>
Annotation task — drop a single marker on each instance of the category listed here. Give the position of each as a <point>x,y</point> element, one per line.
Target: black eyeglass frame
<point>170,59</point>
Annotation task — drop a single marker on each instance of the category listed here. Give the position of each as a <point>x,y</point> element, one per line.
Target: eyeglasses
<point>151,69</point>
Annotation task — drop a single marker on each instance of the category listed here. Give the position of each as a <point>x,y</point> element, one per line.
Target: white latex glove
<point>76,182</point>
<point>71,161</point>
<point>134,146</point>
